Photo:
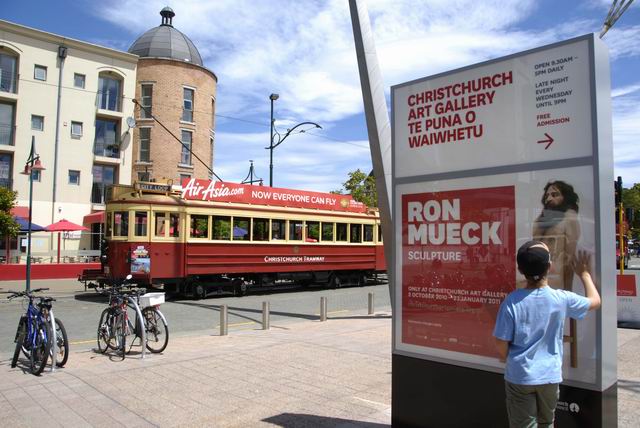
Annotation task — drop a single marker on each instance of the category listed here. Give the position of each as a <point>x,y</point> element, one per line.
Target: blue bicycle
<point>33,336</point>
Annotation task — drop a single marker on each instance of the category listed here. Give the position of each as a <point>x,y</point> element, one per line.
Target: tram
<point>212,235</point>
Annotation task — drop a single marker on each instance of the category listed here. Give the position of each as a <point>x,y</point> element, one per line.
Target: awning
<point>20,212</point>
<point>97,217</point>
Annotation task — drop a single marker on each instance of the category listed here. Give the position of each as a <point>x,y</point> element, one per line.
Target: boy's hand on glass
<point>582,263</point>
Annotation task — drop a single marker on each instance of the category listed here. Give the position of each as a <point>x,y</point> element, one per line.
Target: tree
<point>631,199</point>
<point>8,226</point>
<point>362,187</point>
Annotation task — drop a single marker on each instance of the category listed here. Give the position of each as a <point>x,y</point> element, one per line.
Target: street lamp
<point>272,146</point>
<point>32,164</point>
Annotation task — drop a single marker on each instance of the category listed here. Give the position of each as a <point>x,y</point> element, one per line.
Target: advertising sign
<point>485,159</point>
<point>207,190</point>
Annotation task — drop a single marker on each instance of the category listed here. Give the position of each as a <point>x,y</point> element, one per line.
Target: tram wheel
<point>336,282</point>
<point>198,291</point>
<point>239,287</point>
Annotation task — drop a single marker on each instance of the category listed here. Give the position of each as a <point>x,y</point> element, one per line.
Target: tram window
<point>356,233</point>
<point>260,229</point>
<point>109,216</point>
<point>295,230</point>
<point>379,233</point>
<point>241,229</point>
<point>368,233</point>
<point>121,223</point>
<point>159,229</point>
<point>221,227</point>
<point>199,226</point>
<point>312,231</point>
<point>140,224</point>
<point>327,232</point>
<point>174,225</point>
<point>341,232</point>
<point>278,228</point>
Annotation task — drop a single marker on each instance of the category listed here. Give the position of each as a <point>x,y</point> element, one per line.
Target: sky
<point>304,51</point>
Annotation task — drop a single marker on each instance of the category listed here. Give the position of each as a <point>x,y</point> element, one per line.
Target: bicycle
<point>115,324</point>
<point>33,336</point>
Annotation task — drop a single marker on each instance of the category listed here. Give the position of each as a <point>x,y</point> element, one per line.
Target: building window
<point>76,129</point>
<point>6,162</point>
<point>8,74</point>
<point>37,122</point>
<point>144,176</point>
<point>103,176</point>
<point>185,157</point>
<point>107,142</point>
<point>74,177</point>
<point>145,144</point>
<point>146,101</point>
<point>187,110</point>
<point>184,177</point>
<point>109,93</point>
<point>79,80</point>
<point>6,124</point>
<point>40,72</point>
<point>213,113</point>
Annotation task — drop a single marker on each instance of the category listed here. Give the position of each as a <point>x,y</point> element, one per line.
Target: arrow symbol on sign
<point>548,141</point>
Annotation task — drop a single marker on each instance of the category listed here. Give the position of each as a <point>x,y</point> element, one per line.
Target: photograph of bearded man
<point>558,227</point>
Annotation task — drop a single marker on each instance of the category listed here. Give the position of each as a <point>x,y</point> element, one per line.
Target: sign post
<point>475,151</point>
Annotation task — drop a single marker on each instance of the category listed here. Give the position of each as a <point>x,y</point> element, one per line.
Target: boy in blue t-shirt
<point>529,332</point>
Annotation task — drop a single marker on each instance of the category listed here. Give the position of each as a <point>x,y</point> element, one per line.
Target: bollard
<point>371,297</point>
<point>323,309</point>
<point>224,320</point>
<point>265,315</point>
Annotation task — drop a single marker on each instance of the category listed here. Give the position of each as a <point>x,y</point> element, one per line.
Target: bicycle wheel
<point>41,347</point>
<point>21,335</point>
<point>105,331</point>
<point>62,344</point>
<point>156,329</point>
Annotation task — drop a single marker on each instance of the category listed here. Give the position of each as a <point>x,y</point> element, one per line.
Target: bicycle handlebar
<point>15,294</point>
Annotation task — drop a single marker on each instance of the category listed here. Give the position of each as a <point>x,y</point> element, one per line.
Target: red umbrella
<point>63,226</point>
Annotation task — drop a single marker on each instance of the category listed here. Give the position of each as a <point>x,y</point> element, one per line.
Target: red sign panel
<point>458,257</point>
<point>626,285</point>
<point>207,190</point>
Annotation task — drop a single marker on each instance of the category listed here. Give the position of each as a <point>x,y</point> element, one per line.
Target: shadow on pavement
<point>290,420</point>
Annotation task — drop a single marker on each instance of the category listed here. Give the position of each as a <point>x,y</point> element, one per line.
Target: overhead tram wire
<point>94,93</point>
<point>615,12</point>
<point>146,110</point>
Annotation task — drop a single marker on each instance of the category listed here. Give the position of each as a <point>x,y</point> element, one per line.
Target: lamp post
<point>272,146</point>
<point>32,164</point>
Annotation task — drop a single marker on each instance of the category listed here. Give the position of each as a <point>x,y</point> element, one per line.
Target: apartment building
<point>73,98</point>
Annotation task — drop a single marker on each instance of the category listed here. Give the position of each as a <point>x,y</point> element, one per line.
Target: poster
<point>458,248</point>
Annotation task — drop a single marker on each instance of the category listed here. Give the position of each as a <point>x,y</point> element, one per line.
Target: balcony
<point>7,135</point>
<point>7,183</point>
<point>109,101</point>
<point>9,81</point>
<point>99,193</point>
<point>107,150</point>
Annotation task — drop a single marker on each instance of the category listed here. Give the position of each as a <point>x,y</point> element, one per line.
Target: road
<point>81,311</point>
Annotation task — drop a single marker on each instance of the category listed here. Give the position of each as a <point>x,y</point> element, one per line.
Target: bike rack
<point>143,329</point>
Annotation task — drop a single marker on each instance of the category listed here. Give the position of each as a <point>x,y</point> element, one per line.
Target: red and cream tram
<point>225,235</point>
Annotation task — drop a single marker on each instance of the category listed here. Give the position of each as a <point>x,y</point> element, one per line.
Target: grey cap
<point>165,41</point>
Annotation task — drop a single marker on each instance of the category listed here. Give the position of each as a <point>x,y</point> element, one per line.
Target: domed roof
<point>165,41</point>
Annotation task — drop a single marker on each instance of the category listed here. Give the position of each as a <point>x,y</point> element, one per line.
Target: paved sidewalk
<point>308,374</point>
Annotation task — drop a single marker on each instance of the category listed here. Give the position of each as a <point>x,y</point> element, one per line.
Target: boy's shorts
<point>531,405</point>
